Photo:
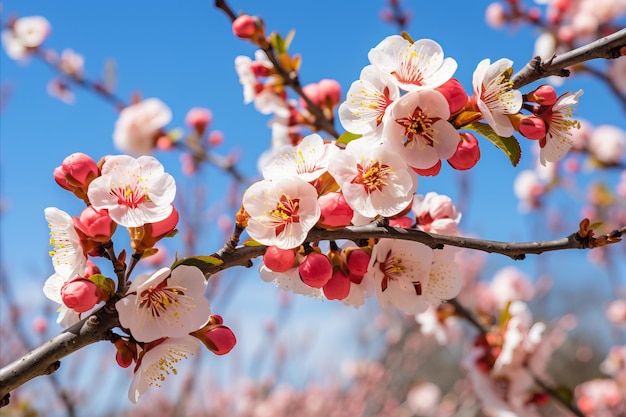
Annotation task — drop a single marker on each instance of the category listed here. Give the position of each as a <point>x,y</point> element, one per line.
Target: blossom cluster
<point>158,311</point>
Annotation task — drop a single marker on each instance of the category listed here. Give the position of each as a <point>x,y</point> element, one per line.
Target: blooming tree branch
<point>609,47</point>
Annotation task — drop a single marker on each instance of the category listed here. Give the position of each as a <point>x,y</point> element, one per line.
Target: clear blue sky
<point>184,54</point>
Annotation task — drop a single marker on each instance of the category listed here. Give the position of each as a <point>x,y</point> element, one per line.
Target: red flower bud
<point>330,92</point>
<point>335,211</point>
<point>533,127</point>
<point>337,287</point>
<point>80,294</point>
<point>429,172</point>
<point>222,338</point>
<point>96,225</point>
<point>315,270</point>
<point>153,232</point>
<point>544,95</point>
<point>278,260</point>
<point>79,170</point>
<point>454,93</point>
<point>198,118</point>
<point>246,26</point>
<point>467,153</point>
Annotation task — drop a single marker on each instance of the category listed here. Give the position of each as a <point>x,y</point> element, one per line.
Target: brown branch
<point>609,47</point>
<point>44,359</point>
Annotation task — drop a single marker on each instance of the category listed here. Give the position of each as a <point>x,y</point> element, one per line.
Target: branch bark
<point>610,47</point>
<point>44,359</point>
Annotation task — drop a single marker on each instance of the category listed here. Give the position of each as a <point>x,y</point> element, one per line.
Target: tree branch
<point>610,47</point>
<point>44,359</point>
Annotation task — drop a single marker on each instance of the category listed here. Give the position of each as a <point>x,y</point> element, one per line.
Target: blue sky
<point>184,55</point>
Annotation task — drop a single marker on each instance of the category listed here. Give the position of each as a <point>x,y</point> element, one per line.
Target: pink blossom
<point>412,66</point>
<point>281,211</point>
<point>289,281</point>
<point>198,118</point>
<point>373,179</point>
<point>135,191</point>
<point>435,213</point>
<point>167,303</point>
<point>558,119</point>
<point>600,398</point>
<point>27,33</point>
<point>417,129</point>
<point>608,144</point>
<point>495,15</point>
<point>140,125</point>
<point>367,101</point>
<point>157,361</point>
<point>71,63</point>
<point>494,94</point>
<point>510,284</point>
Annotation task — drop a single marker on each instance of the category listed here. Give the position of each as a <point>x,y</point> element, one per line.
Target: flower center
<point>409,69</point>
<point>286,212</point>
<point>418,126</point>
<point>498,93</point>
<point>372,176</point>
<point>393,269</point>
<point>157,300</point>
<point>130,196</point>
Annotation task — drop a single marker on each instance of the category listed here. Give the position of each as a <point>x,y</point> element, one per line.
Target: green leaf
<point>347,137</point>
<point>278,43</point>
<point>251,242</point>
<point>203,262</point>
<point>510,146</point>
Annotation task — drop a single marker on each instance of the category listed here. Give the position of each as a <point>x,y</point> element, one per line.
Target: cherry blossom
<point>608,144</point>
<point>167,303</point>
<point>398,270</point>
<point>289,281</point>
<point>417,128</point>
<point>412,66</point>
<point>68,260</point>
<point>374,180</point>
<point>135,191</point>
<point>26,33</point>
<point>282,211</point>
<point>139,126</point>
<point>366,102</point>
<point>558,118</point>
<point>308,160</point>
<point>159,361</point>
<point>435,213</point>
<point>494,94</point>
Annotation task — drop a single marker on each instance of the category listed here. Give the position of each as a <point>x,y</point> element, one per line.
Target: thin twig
<point>609,47</point>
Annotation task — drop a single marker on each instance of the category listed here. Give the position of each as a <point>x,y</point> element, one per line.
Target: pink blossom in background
<point>139,125</point>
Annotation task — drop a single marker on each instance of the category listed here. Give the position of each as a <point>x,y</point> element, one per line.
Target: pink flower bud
<point>495,15</point>
<point>533,127</point>
<point>544,95</point>
<point>337,287</point>
<point>126,353</point>
<point>79,170</point>
<point>312,91</point>
<point>278,260</point>
<point>91,269</point>
<point>95,225</point>
<point>467,153</point>
<point>216,138</point>
<point>429,172</point>
<point>402,221</point>
<point>153,232</point>
<point>357,261</point>
<point>245,26</point>
<point>330,92</point>
<point>222,338</point>
<point>315,270</point>
<point>59,177</point>
<point>454,93</point>
<point>40,324</point>
<point>164,143</point>
<point>80,294</point>
<point>198,118</point>
<point>335,211</point>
